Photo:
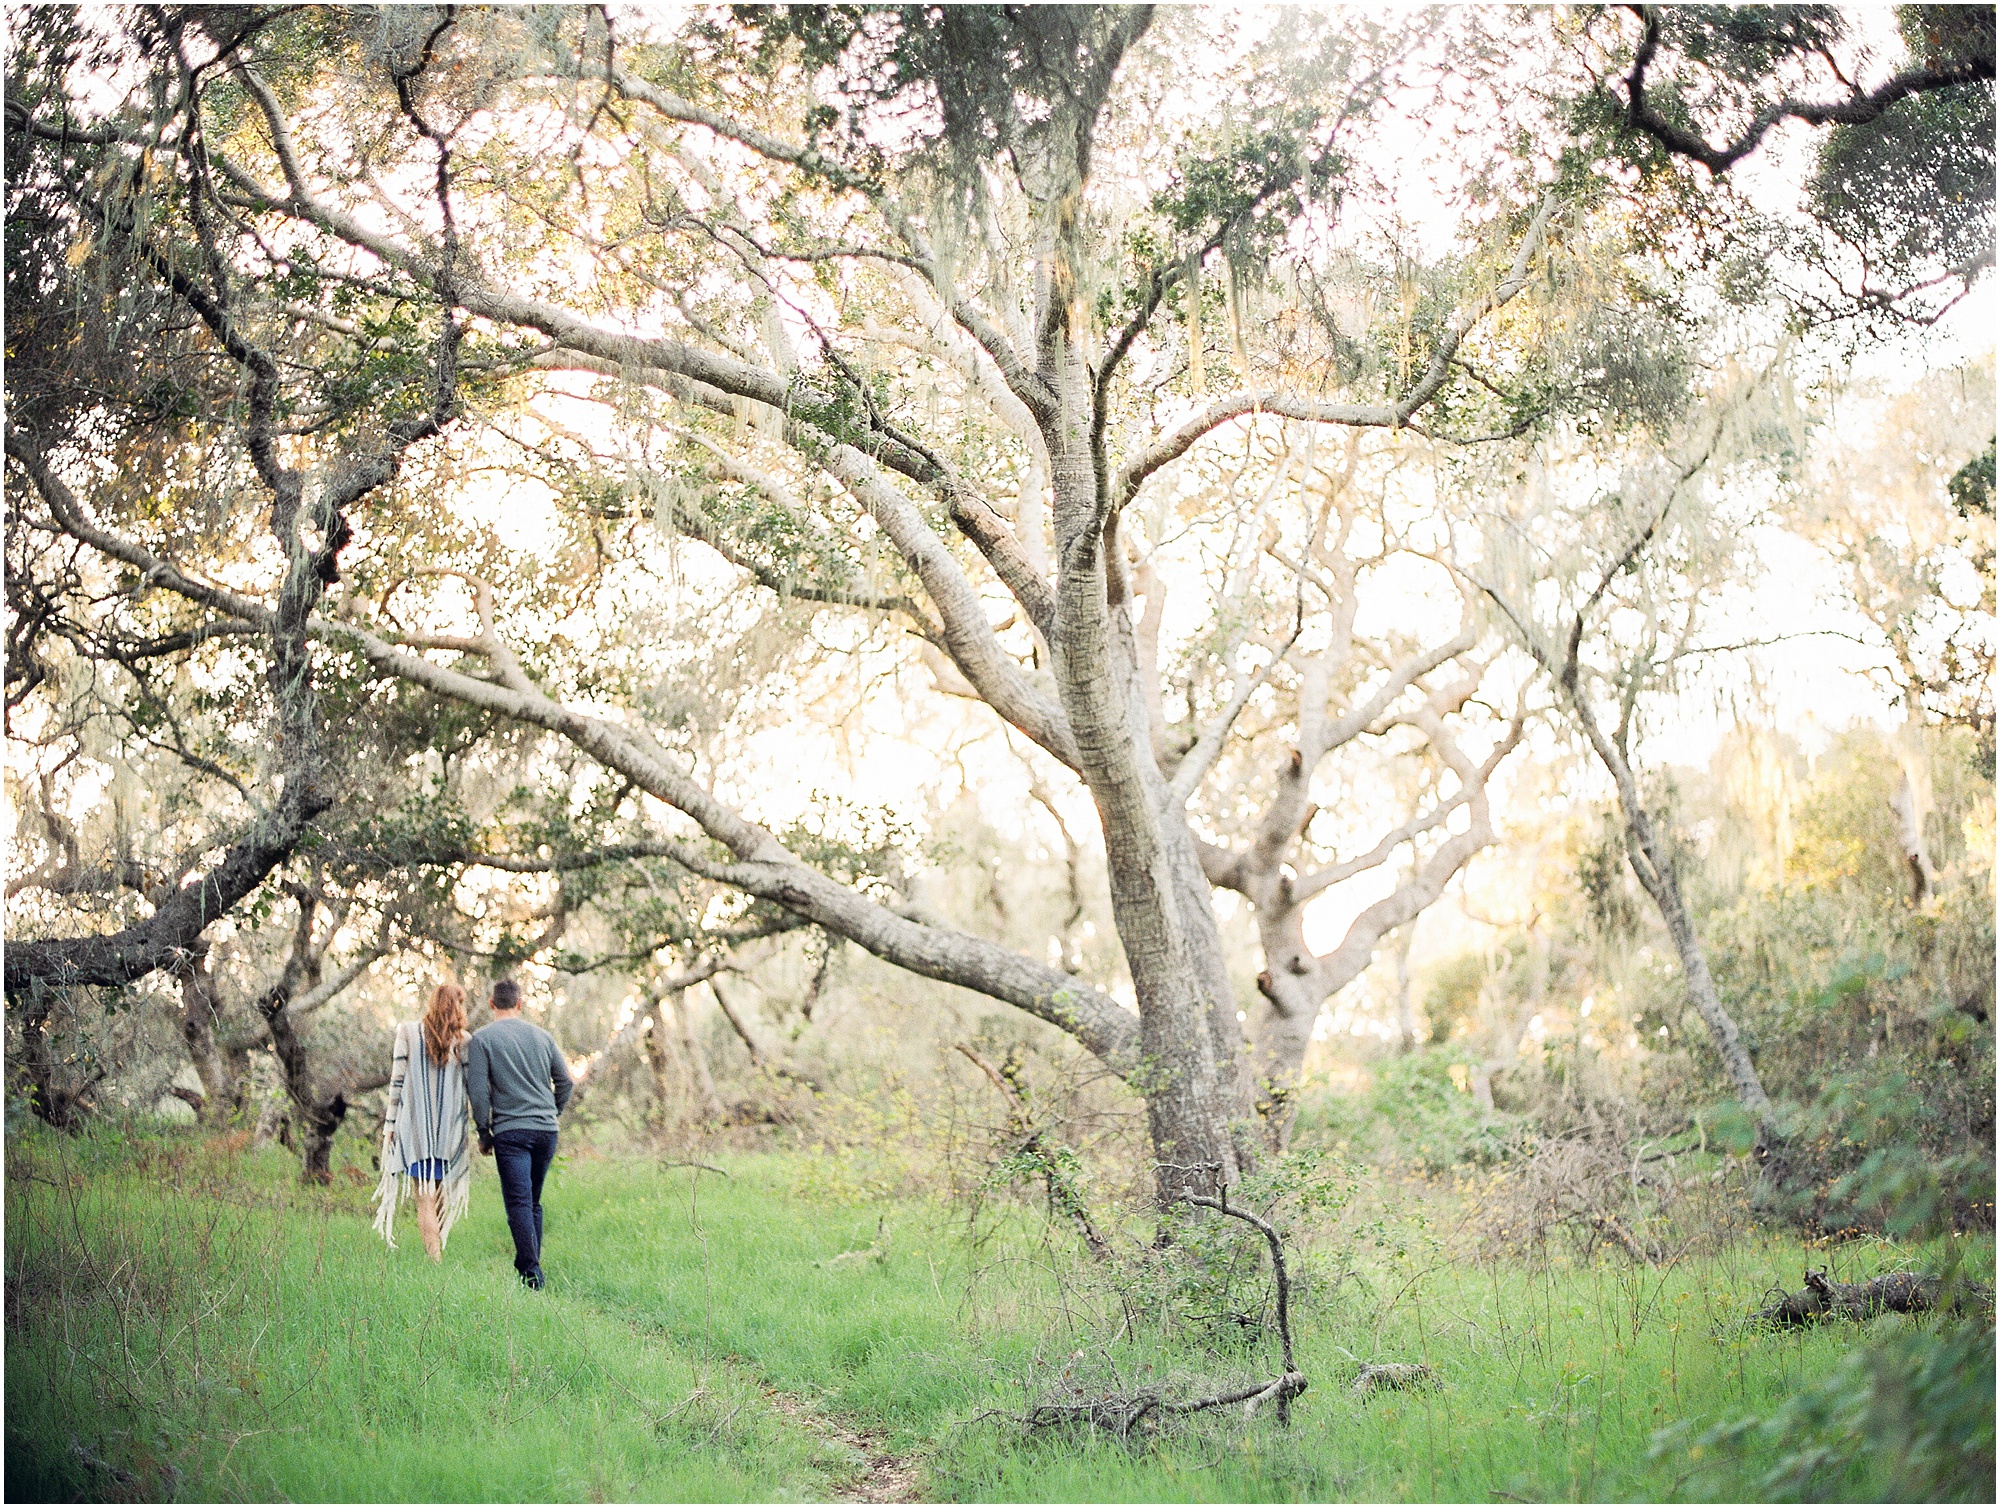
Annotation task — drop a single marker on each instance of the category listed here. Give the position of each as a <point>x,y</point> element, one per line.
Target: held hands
<point>485,1144</point>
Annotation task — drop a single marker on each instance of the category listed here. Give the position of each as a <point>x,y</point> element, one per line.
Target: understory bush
<point>1906,1418</point>
<point>1416,1115</point>
<point>1879,1151</point>
<point>1214,1279</point>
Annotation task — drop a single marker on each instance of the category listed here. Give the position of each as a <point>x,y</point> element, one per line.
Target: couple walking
<point>510,1076</point>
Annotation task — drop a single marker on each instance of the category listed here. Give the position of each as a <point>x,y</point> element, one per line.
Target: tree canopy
<point>994,357</point>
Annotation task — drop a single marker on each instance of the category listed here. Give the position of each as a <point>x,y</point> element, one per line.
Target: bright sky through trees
<point>1244,352</point>
<point>1152,639</point>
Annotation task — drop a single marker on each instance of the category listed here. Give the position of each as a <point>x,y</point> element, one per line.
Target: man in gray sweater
<point>518,1084</point>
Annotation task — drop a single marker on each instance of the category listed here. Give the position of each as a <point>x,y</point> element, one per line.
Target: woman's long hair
<point>444,1022</point>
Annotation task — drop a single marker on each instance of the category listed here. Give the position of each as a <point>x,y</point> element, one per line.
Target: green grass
<point>221,1336</point>
<point>180,1312</point>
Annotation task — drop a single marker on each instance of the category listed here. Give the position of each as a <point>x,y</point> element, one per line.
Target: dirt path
<point>885,1477</point>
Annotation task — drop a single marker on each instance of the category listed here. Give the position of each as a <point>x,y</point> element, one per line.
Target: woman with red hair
<point>424,1140</point>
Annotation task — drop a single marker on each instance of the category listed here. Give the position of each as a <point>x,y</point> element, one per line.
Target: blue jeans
<point>523,1158</point>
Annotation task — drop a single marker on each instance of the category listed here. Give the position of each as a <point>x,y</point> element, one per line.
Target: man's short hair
<point>506,995</point>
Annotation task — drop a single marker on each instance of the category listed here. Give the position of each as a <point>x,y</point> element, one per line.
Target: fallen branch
<point>1647,1254</point>
<point>98,1466</point>
<point>1892,1293</point>
<point>1277,1245</point>
<point>1284,1388</point>
<point>1404,1375</point>
<point>1119,1411</point>
<point>1292,1383</point>
<point>1116,1414</point>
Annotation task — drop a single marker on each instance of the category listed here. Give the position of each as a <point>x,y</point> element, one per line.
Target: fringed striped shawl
<point>428,1121</point>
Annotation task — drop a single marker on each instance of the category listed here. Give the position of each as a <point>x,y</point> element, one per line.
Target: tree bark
<point>1236,1080</point>
<point>236,1061</point>
<point>655,1043</point>
<point>319,1123</point>
<point>274,1123</point>
<point>1406,1007</point>
<point>1292,995</point>
<point>1911,802</point>
<point>315,1115</point>
<point>1183,1051</point>
<point>1653,867</point>
<point>199,1013</point>
<point>319,1107</point>
<point>708,1101</point>
<point>1188,1112</point>
<point>60,1096</point>
<point>320,1120</point>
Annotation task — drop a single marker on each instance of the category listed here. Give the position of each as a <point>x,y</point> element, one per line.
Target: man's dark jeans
<point>523,1159</point>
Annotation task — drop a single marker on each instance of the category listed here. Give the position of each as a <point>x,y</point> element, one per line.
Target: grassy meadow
<point>183,1320</point>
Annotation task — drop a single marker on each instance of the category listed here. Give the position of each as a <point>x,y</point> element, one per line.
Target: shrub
<point>1907,1418</point>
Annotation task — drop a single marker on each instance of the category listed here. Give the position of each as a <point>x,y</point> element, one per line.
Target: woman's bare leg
<point>427,1218</point>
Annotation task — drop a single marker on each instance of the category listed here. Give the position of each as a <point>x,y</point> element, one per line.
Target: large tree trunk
<point>1406,1006</point>
<point>1096,671</point>
<point>1292,995</point>
<point>319,1123</point>
<point>321,1120</point>
<point>707,1100</point>
<point>1657,875</point>
<point>218,1096</point>
<point>316,1115</point>
<point>198,1015</point>
<point>1236,1081</point>
<point>1655,872</point>
<point>236,1063</point>
<point>274,1123</point>
<point>655,1044</point>
<point>1911,802</point>
<point>54,1092</point>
